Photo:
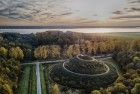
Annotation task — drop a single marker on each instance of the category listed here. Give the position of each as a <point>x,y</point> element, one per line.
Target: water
<point>84,30</point>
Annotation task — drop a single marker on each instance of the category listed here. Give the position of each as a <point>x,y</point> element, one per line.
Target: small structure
<point>84,72</point>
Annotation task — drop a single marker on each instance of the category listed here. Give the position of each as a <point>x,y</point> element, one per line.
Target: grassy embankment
<point>27,83</point>
<point>42,78</point>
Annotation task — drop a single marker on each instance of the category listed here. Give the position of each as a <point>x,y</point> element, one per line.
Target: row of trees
<point>43,52</point>
<point>13,52</point>
<point>84,47</point>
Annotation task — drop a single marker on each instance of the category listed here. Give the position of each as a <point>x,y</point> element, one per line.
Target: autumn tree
<point>102,47</point>
<point>54,51</point>
<point>73,50</point>
<point>94,48</point>
<point>69,51</point>
<point>136,89</point>
<point>119,88</point>
<point>55,89</point>
<point>95,92</point>
<point>3,52</point>
<point>43,52</point>
<point>16,53</point>
<point>76,49</point>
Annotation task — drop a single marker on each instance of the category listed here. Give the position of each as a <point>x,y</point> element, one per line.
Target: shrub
<point>136,80</point>
<point>96,92</point>
<point>119,88</point>
<point>136,89</point>
<point>55,89</point>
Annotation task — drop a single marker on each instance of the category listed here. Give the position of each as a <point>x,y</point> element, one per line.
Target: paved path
<point>43,62</point>
<point>38,79</point>
<point>39,91</point>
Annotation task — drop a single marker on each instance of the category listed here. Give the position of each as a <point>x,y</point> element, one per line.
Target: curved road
<point>39,90</point>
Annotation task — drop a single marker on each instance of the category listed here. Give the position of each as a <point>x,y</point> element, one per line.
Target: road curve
<point>62,60</point>
<point>39,90</point>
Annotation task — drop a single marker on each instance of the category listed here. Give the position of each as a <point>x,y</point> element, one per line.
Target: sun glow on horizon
<point>88,30</point>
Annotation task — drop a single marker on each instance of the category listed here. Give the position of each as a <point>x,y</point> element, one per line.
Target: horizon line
<point>61,27</point>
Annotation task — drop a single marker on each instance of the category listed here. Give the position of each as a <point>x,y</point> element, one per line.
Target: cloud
<point>32,9</point>
<point>135,9</point>
<point>126,17</point>
<point>118,12</point>
<point>135,1</point>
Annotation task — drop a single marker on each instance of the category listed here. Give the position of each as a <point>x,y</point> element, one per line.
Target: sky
<point>70,12</point>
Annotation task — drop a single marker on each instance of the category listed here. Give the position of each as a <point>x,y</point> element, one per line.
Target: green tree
<point>3,52</point>
<point>16,53</point>
<point>136,89</point>
<point>136,58</point>
<point>119,88</point>
<point>95,92</point>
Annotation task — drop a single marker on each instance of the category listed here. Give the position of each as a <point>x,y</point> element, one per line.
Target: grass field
<point>128,35</point>
<point>27,83</point>
<point>43,83</point>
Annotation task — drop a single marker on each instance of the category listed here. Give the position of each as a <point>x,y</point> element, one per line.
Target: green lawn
<point>32,85</point>
<point>42,78</point>
<point>47,80</point>
<point>27,83</point>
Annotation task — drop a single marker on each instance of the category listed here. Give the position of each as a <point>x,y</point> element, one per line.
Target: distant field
<point>129,35</point>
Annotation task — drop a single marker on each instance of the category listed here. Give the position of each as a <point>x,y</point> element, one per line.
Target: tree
<point>136,58</point>
<point>54,51</point>
<point>3,52</point>
<point>55,89</point>
<point>28,54</point>
<point>69,51</point>
<point>20,53</point>
<point>73,50</point>
<point>7,89</point>
<point>88,47</point>
<point>102,47</point>
<point>41,52</point>
<point>16,53</point>
<point>95,92</point>
<point>76,49</point>
<point>94,48</point>
<point>119,88</point>
<point>136,89</point>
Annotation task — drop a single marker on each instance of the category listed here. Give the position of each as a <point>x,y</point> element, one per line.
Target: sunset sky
<point>70,12</point>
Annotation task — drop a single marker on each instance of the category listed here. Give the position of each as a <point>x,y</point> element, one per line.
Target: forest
<point>16,49</point>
